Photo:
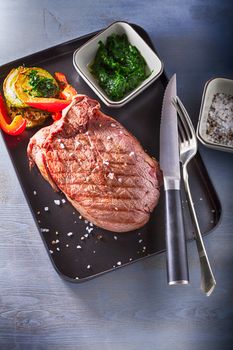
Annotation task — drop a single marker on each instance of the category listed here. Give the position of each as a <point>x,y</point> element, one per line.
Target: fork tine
<point>181,132</point>
<point>186,119</point>
<point>183,122</point>
<point>183,135</point>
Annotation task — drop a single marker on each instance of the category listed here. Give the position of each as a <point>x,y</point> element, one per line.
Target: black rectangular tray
<point>90,251</point>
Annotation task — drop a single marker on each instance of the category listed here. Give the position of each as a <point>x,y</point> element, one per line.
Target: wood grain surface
<point>131,308</point>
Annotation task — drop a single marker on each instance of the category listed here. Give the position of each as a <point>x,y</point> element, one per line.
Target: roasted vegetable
<point>48,104</point>
<point>56,115</point>
<point>35,82</point>
<point>34,93</point>
<point>67,91</point>
<point>23,83</point>
<point>33,116</point>
<point>9,89</point>
<point>14,127</point>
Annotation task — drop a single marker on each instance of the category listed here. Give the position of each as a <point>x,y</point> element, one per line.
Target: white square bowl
<point>212,87</point>
<point>85,55</point>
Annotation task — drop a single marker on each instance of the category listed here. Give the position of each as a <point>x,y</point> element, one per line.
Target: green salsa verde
<point>118,66</point>
<point>42,86</point>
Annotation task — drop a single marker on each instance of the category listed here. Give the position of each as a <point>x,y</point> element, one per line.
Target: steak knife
<point>177,265</point>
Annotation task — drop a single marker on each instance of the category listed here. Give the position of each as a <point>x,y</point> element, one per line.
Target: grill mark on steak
<point>84,156</point>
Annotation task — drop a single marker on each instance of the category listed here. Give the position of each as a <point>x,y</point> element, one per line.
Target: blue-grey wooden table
<point>131,308</point>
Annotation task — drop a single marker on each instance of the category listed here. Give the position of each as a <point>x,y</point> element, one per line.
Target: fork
<point>188,149</point>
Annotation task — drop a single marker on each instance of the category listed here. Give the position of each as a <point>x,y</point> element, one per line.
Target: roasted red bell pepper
<point>67,90</point>
<point>68,93</point>
<point>12,127</point>
<point>48,104</point>
<point>56,115</point>
<point>61,79</point>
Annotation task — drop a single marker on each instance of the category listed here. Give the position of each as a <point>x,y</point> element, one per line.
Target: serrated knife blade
<point>169,147</point>
<point>177,266</point>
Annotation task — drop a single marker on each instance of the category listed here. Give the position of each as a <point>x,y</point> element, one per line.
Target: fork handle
<point>208,281</point>
<point>177,266</point>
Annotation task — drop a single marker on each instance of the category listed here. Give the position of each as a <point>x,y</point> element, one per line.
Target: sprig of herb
<point>42,86</point>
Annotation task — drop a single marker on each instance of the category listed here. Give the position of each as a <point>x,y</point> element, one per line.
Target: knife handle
<point>177,263</point>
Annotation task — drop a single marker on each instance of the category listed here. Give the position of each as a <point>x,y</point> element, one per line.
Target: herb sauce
<point>118,66</point>
<point>42,86</point>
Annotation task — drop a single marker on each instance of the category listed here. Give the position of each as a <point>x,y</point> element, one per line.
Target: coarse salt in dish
<point>215,125</point>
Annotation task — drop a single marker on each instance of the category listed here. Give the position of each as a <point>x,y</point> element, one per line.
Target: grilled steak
<point>100,167</point>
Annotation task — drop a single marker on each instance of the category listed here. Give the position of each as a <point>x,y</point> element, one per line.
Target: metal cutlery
<point>177,266</point>
<point>188,149</point>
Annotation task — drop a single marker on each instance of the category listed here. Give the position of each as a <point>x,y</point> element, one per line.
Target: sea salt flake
<point>77,278</point>
<point>113,125</point>
<point>86,221</point>
<point>46,208</point>
<point>115,237</point>
<point>111,176</point>
<point>131,154</point>
<point>67,245</point>
<point>79,246</point>
<point>80,217</point>
<point>88,267</point>
<point>86,235</point>
<point>82,238</point>
<point>35,193</point>
<point>119,263</point>
<point>70,234</point>
<point>120,179</point>
<point>62,145</point>
<point>108,137</point>
<point>45,230</point>
<point>140,241</point>
<point>106,162</point>
<point>63,201</point>
<point>58,249</point>
<point>57,201</point>
<point>51,251</point>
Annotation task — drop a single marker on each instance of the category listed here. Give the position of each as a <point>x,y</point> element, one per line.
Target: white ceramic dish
<point>212,87</point>
<point>85,55</point>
